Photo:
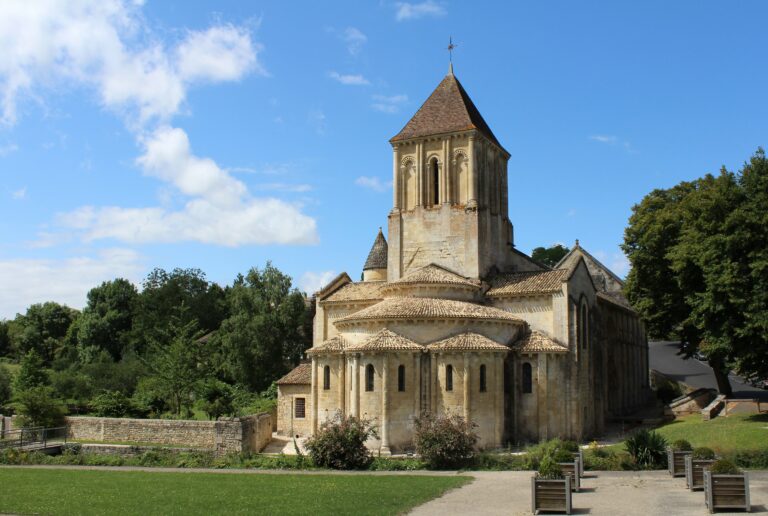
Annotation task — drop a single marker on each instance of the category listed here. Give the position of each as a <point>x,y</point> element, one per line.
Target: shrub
<point>559,450</point>
<point>703,453</point>
<point>340,443</point>
<point>5,386</point>
<point>217,399</point>
<point>724,467</point>
<point>38,406</point>
<point>389,464</point>
<point>111,404</point>
<point>647,449</point>
<point>549,469</point>
<point>682,445</point>
<point>755,459</point>
<point>445,441</point>
<point>500,462</point>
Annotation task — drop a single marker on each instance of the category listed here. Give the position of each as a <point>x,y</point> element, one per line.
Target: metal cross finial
<point>451,46</point>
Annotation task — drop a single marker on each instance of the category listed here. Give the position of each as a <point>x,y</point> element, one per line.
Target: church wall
<point>403,407</point>
<point>427,332</point>
<point>287,423</point>
<point>329,400</point>
<point>535,310</point>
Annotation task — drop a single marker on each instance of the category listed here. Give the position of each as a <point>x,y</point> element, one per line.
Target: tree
<point>217,398</point>
<point>31,373</point>
<point>44,329</point>
<point>263,335</point>
<point>700,267</point>
<point>549,256</point>
<point>107,319</point>
<point>39,406</point>
<point>5,339</point>
<point>5,386</point>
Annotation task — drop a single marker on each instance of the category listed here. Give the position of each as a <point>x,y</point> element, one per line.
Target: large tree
<point>700,267</point>
<point>107,320</point>
<point>42,328</point>
<point>549,256</point>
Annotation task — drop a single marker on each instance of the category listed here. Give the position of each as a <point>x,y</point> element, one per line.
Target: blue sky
<point>220,135</point>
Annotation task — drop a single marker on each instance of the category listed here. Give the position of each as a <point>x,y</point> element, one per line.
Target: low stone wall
<point>691,403</point>
<point>713,409</point>
<point>227,435</point>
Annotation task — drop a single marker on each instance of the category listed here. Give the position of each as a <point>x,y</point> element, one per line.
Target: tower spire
<point>450,47</point>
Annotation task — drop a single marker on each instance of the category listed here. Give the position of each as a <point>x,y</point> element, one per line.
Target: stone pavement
<point>603,493</point>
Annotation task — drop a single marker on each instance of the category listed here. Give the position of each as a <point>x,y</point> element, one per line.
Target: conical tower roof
<point>377,258</point>
<point>449,109</point>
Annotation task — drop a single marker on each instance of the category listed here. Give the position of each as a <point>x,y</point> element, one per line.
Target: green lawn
<point>722,434</point>
<point>50,491</point>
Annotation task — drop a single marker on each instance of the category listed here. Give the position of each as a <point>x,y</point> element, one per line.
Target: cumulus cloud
<point>68,281</point>
<point>222,53</point>
<point>409,11</point>
<point>388,104</point>
<point>349,80</point>
<point>310,282</point>
<point>374,183</point>
<point>610,139</point>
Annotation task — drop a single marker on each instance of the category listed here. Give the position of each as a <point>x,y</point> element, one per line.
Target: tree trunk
<point>721,376</point>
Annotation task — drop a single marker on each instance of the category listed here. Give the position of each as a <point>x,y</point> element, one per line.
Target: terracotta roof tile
<point>386,340</point>
<point>519,283</point>
<point>428,308</point>
<point>434,274</point>
<point>299,375</point>
<point>377,257</point>
<point>335,344</point>
<point>539,342</point>
<point>360,291</point>
<point>467,341</point>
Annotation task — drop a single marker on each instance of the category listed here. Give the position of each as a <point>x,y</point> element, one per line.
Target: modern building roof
<point>536,341</point>
<point>468,341</point>
<point>522,283</point>
<point>357,292</point>
<point>377,258</point>
<point>299,375</point>
<point>428,308</point>
<point>333,345</point>
<point>448,109</point>
<point>434,274</point>
<point>386,340</point>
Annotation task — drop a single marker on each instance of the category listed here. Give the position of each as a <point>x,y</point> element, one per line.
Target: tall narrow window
<point>527,378</point>
<point>483,380</point>
<point>401,378</point>
<point>300,408</point>
<point>434,173</point>
<point>583,326</point>
<point>326,378</point>
<point>369,372</point>
<point>449,377</point>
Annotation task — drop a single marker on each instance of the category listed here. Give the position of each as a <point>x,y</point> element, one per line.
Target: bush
<point>216,399</point>
<point>608,460</point>
<point>39,406</point>
<point>703,453</point>
<point>682,445</point>
<point>389,464</point>
<point>755,459</point>
<point>724,467</point>
<point>111,404</point>
<point>5,386</point>
<point>445,441</point>
<point>549,469</point>
<point>340,443</point>
<point>557,449</point>
<point>500,462</point>
<point>647,449</point>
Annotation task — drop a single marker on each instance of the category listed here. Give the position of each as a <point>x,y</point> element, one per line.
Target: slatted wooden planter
<point>580,455</point>
<point>726,491</point>
<point>551,495</point>
<point>694,472</point>
<point>676,462</point>
<point>573,469</point>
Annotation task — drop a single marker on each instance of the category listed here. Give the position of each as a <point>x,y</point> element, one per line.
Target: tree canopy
<point>549,256</point>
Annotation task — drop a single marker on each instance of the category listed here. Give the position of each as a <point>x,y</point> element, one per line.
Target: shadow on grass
<point>757,418</point>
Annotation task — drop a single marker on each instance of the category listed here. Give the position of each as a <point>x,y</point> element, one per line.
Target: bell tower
<point>450,190</point>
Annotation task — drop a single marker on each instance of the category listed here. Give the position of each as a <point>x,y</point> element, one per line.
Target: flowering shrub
<point>445,441</point>
<point>340,443</point>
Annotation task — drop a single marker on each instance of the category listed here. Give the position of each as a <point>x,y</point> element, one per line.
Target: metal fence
<point>34,438</point>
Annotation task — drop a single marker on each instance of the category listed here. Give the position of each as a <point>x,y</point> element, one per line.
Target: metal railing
<point>34,438</point>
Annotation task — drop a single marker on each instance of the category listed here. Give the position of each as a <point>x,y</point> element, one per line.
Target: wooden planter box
<point>551,495</point>
<point>676,462</point>
<point>573,469</point>
<point>694,471</point>
<point>726,491</point>
<point>580,455</point>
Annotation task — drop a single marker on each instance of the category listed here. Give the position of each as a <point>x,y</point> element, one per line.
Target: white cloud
<point>223,53</point>
<point>604,138</point>
<point>316,119</point>
<point>7,149</point>
<point>311,282</point>
<point>284,187</point>
<point>374,183</point>
<point>620,264</point>
<point>20,194</point>
<point>388,104</point>
<point>408,11</point>
<point>355,39</point>
<point>349,80</point>
<point>66,281</point>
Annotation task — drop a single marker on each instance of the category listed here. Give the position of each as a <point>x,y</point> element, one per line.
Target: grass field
<point>722,434</point>
<point>51,491</point>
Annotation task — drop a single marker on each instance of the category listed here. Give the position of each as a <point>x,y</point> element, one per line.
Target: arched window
<point>584,326</point>
<point>326,378</point>
<point>483,380</point>
<point>401,378</point>
<point>434,181</point>
<point>527,378</point>
<point>449,377</point>
<point>369,372</point>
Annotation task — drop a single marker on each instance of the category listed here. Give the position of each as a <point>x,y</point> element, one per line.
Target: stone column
<point>434,383</point>
<point>472,163</point>
<point>396,178</point>
<point>416,385</point>
<point>342,383</point>
<point>498,397</point>
<point>354,407</point>
<point>467,388</point>
<point>314,386</point>
<point>419,175</point>
<point>384,450</point>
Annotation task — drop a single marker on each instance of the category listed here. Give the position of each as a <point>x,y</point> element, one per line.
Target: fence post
<point>45,437</point>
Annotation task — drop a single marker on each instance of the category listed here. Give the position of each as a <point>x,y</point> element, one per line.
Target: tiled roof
<point>448,109</point>
<point>434,274</point>
<point>428,308</point>
<point>299,375</point>
<point>361,291</point>
<point>386,340</point>
<point>377,258</point>
<point>333,345</point>
<point>538,342</point>
<point>518,283</point>
<point>467,341</point>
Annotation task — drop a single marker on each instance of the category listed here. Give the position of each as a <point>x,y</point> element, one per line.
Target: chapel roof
<point>299,375</point>
<point>377,257</point>
<point>434,274</point>
<point>428,308</point>
<point>357,292</point>
<point>536,341</point>
<point>386,340</point>
<point>572,258</point>
<point>467,341</point>
<point>448,109</point>
<point>534,282</point>
<point>333,345</point>
<point>616,298</point>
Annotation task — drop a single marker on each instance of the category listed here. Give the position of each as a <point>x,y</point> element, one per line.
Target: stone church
<point>451,317</point>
